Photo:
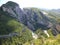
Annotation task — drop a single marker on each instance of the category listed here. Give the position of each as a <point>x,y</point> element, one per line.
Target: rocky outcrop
<point>30,17</point>
<point>15,11</point>
<point>45,31</point>
<point>35,36</point>
<point>58,27</point>
<point>37,18</point>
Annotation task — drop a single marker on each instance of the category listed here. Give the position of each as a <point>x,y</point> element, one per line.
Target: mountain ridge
<point>33,18</point>
<point>13,19</point>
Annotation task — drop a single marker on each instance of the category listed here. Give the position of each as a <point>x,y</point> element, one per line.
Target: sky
<point>47,4</point>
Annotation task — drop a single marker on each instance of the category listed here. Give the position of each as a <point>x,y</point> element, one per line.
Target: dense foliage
<point>43,41</point>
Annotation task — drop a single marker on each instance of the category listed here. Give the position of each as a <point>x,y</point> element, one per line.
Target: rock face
<point>13,9</point>
<point>32,18</point>
<point>36,18</point>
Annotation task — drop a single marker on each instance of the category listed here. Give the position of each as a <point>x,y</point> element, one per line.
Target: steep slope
<point>12,32</point>
<point>16,24</point>
<point>54,19</point>
<point>36,18</point>
<point>32,18</point>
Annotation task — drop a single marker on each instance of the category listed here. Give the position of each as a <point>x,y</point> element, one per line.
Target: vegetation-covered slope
<point>9,25</point>
<point>17,26</point>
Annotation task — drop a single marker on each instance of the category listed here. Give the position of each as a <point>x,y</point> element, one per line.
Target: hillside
<point>28,26</point>
<point>11,30</point>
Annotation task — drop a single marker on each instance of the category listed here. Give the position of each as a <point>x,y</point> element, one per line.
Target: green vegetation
<point>49,41</point>
<point>41,34</point>
<point>8,25</point>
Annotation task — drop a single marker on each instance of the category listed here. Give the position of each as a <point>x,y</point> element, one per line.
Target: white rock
<point>35,36</point>
<point>45,31</point>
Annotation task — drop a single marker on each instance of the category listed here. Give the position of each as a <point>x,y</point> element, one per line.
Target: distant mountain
<point>56,10</point>
<point>27,20</point>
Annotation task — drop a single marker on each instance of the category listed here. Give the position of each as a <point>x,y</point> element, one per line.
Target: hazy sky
<point>48,4</point>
